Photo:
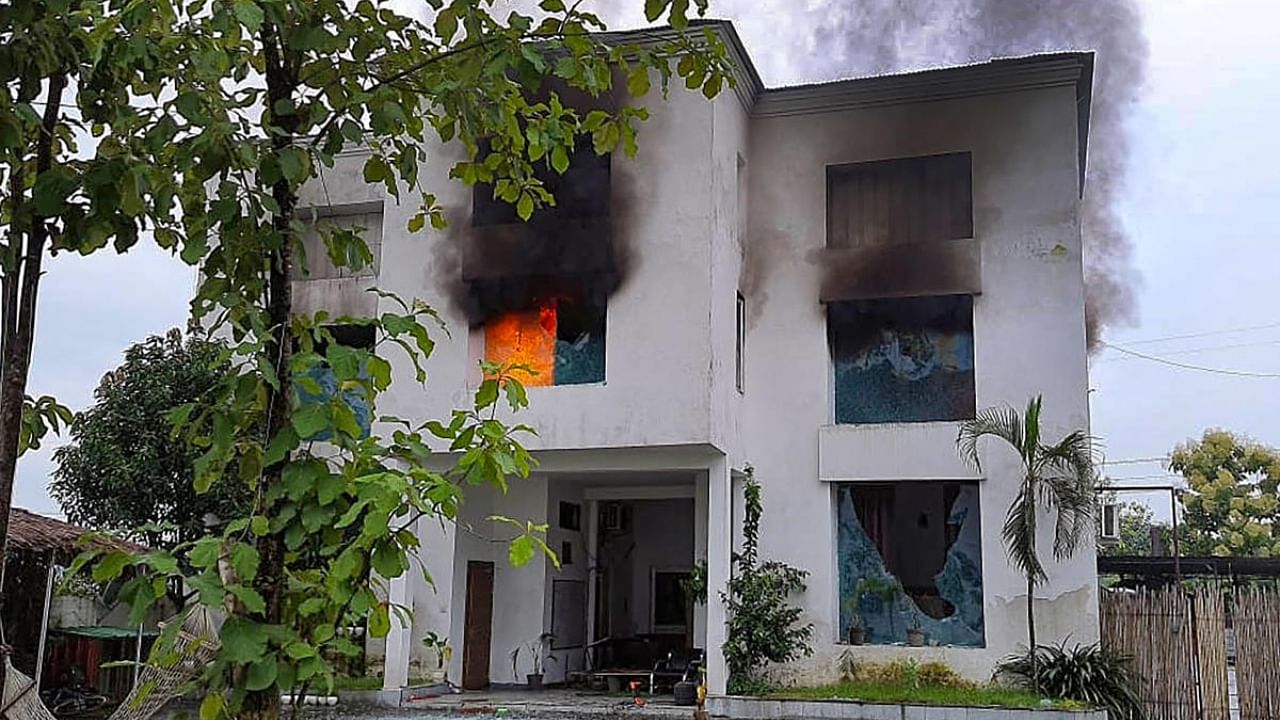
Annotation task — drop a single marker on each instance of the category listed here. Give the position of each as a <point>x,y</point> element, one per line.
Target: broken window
<point>322,379</point>
<point>902,359</point>
<point>558,335</point>
<point>909,554</point>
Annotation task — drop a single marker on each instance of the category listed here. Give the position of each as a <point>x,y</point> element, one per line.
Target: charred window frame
<point>909,555</point>
<point>900,201</point>
<point>902,359</point>
<point>740,342</point>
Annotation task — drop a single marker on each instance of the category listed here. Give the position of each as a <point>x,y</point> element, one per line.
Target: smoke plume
<point>796,41</point>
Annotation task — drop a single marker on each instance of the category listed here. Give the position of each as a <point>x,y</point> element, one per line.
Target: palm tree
<point>1058,479</point>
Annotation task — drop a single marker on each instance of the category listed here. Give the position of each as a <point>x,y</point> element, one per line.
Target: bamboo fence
<point>1257,628</point>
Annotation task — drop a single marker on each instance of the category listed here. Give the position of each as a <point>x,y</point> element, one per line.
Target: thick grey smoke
<point>795,41</point>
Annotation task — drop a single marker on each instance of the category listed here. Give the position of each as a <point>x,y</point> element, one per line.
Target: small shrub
<point>902,673</point>
<point>1084,673</point>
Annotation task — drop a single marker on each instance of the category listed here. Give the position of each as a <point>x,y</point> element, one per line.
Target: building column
<point>719,549</point>
<point>700,555</point>
<point>395,663</point>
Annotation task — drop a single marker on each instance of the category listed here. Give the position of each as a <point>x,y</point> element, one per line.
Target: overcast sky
<point>1201,205</point>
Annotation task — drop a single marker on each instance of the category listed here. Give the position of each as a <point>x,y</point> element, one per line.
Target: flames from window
<point>525,337</point>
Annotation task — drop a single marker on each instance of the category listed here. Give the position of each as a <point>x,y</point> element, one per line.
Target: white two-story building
<point>818,282</point>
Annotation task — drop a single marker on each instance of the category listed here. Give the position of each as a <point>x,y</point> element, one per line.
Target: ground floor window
<point>910,557</point>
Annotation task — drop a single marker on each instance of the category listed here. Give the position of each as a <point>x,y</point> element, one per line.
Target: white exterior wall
<point>1028,339</point>
<point>669,399</point>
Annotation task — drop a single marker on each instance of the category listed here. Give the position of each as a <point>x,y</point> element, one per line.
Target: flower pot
<point>534,682</point>
<point>857,635</point>
<point>915,638</point>
<point>685,692</point>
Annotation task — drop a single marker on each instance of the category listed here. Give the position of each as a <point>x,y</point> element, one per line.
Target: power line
<point>1194,351</point>
<point>1135,461</point>
<point>1207,333</point>
<point>1186,366</point>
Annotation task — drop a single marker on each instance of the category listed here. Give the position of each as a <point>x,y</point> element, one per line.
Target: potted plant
<point>538,650</point>
<point>915,635</point>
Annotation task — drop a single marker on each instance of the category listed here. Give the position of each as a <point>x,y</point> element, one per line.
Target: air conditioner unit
<point>1109,525</point>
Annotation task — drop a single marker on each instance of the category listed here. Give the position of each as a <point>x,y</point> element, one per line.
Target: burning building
<point>818,281</point>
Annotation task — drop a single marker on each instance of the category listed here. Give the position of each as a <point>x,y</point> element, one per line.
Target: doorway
<point>478,626</point>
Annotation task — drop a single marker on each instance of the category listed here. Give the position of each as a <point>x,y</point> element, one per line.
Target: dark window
<point>909,554</point>
<point>908,200</point>
<point>902,359</point>
<point>740,341</point>
<point>362,337</point>
<point>566,553</point>
<point>582,192</point>
<point>670,603</point>
<point>570,516</point>
<point>560,335</point>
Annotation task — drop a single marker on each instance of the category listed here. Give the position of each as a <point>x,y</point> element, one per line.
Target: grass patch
<point>980,696</point>
<point>367,682</point>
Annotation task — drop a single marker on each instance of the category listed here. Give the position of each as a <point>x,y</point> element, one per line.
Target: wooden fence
<point>1178,641</point>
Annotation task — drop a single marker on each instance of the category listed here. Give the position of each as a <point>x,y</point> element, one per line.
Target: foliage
<point>1136,525</point>
<point>1232,507</point>
<point>261,95</point>
<point>695,586</point>
<point>124,468</point>
<point>907,672</point>
<point>1085,673</point>
<point>762,626</point>
<point>66,69</point>
<point>1059,478</point>
<point>909,681</point>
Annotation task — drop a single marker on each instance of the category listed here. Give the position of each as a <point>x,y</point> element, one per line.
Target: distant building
<point>818,281</point>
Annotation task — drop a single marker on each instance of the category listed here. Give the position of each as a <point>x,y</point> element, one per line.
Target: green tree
<point>1231,507</point>
<point>67,71</point>
<point>1058,479</point>
<point>762,626</point>
<point>125,468</point>
<point>263,95</point>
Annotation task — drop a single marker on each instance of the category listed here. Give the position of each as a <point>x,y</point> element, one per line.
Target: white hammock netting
<point>159,681</point>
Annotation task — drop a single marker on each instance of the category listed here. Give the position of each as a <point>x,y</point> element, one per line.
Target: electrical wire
<point>1194,351</point>
<point>1187,366</point>
<point>1135,461</point>
<point>1207,333</point>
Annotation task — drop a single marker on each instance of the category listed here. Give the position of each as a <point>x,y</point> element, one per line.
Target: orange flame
<point>527,338</point>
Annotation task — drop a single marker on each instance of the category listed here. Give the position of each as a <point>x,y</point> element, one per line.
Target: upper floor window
<point>902,359</point>
<point>559,334</point>
<point>740,341</point>
<point>900,201</point>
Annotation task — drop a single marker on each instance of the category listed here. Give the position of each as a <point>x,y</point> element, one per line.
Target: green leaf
<point>653,9</point>
<point>379,621</point>
<point>560,159</point>
<point>249,14</point>
<point>521,551</point>
<point>486,394</point>
<point>251,598</point>
<point>311,420</point>
<point>524,207</point>
<point>281,445</point>
<point>243,640</point>
<point>294,163</point>
<point>52,188</point>
<point>388,561</point>
<point>212,706</point>
<point>110,566</point>
<point>244,560</point>
<point>259,525</point>
<point>417,222</point>
<point>446,24</point>
<point>328,487</point>
<point>262,674</point>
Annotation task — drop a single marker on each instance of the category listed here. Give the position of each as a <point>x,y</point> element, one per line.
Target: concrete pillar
<point>699,555</point>
<point>395,672</point>
<point>719,547</point>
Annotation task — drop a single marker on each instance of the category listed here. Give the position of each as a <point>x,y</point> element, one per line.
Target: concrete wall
<point>716,203</point>
<point>1028,335</point>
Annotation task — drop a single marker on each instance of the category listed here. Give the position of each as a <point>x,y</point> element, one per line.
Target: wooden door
<point>478,626</point>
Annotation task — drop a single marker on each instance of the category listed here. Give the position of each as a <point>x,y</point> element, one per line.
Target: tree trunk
<point>21,283</point>
<point>1031,632</point>
<point>265,704</point>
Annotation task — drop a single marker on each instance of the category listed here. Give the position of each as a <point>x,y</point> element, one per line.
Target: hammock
<point>158,682</point>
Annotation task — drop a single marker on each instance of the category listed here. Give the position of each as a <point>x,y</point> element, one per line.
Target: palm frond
<point>996,422</point>
<point>1019,534</point>
<point>1031,429</point>
<point>1069,485</point>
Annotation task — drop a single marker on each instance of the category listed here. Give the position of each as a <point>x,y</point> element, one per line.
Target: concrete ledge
<point>746,708</point>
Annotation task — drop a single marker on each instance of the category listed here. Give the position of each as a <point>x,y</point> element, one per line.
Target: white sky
<point>1203,206</point>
